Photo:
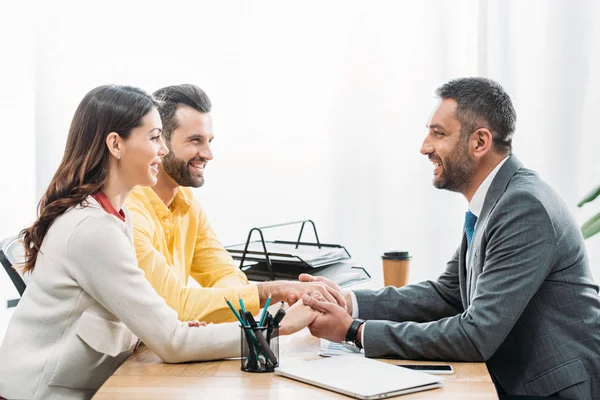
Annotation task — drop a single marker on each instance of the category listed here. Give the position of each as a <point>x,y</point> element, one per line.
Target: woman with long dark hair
<point>88,302</point>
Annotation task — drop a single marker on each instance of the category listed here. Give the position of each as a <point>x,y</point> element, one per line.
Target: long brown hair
<point>84,166</point>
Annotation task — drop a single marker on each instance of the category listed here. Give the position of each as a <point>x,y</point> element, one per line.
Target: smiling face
<point>142,151</point>
<point>189,147</point>
<point>453,167</point>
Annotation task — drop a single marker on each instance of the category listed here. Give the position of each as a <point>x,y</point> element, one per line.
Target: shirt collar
<point>181,202</point>
<point>476,204</point>
<point>105,203</point>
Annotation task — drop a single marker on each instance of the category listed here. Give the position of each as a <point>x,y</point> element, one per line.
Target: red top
<point>107,205</point>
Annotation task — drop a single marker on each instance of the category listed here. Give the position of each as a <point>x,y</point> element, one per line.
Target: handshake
<point>316,302</point>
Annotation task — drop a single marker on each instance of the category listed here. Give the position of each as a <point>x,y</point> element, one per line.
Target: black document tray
<point>280,259</point>
<point>308,255</point>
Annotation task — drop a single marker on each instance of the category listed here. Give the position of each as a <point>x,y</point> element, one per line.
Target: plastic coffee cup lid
<point>396,255</point>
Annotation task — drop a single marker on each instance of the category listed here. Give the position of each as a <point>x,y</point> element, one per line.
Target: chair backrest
<point>12,252</point>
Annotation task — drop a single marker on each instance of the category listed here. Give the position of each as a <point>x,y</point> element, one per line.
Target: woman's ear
<point>482,142</point>
<point>114,143</point>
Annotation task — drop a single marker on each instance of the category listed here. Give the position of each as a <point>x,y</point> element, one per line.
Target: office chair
<point>12,252</point>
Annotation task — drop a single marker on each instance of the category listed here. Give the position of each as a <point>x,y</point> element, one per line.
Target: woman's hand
<point>331,284</point>
<point>297,318</point>
<point>196,323</point>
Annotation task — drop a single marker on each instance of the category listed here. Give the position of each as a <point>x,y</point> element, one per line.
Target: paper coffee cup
<point>395,268</point>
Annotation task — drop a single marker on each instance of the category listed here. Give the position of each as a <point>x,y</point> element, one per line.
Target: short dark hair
<point>482,102</point>
<point>170,97</point>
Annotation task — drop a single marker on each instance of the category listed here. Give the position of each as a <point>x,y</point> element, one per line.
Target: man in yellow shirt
<point>172,236</point>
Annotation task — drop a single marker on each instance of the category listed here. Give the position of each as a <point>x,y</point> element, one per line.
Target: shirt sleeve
<point>355,315</point>
<point>204,304</point>
<point>103,263</point>
<point>354,305</point>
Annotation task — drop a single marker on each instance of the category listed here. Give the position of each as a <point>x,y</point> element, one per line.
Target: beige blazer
<point>84,310</point>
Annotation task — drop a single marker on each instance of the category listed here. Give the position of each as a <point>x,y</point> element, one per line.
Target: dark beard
<point>177,169</point>
<point>458,170</point>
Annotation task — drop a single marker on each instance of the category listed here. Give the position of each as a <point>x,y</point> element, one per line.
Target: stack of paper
<point>331,349</point>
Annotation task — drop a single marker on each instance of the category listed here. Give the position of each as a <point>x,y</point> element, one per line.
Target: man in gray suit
<point>517,294</point>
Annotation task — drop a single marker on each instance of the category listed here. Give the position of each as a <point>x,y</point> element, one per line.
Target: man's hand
<point>296,318</point>
<point>331,284</point>
<point>291,292</point>
<point>333,322</point>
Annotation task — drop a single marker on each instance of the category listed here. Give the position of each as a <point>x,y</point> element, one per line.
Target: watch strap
<point>353,331</point>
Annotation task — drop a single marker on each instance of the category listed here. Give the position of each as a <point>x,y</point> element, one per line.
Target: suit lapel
<point>496,190</point>
<point>462,271</point>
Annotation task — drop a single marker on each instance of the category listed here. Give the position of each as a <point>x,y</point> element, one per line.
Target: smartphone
<point>438,369</point>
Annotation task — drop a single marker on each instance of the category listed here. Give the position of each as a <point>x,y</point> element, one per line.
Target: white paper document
<point>331,349</point>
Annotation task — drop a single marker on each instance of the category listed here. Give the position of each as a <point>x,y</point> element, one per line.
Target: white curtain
<point>17,127</point>
<point>320,106</point>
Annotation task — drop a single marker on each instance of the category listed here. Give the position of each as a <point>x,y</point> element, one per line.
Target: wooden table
<point>145,376</point>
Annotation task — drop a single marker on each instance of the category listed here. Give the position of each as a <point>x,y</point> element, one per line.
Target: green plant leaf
<point>590,197</point>
<point>591,227</point>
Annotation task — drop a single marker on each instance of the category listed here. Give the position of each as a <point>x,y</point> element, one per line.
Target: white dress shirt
<point>476,204</point>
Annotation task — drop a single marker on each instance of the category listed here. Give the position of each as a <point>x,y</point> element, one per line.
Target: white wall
<point>319,107</point>
<point>17,132</point>
<point>548,55</point>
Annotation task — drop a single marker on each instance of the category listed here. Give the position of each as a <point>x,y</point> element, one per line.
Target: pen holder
<point>260,348</point>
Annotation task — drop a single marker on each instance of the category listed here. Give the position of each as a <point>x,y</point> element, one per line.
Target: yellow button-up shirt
<point>176,242</point>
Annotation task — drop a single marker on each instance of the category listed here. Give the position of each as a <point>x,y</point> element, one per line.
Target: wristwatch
<point>351,343</point>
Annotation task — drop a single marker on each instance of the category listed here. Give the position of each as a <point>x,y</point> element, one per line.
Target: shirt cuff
<point>355,315</point>
<point>362,336</point>
<point>354,305</point>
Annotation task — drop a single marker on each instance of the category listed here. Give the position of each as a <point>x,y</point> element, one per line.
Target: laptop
<point>359,377</point>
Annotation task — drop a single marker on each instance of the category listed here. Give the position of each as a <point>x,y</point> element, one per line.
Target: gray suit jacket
<point>531,310</point>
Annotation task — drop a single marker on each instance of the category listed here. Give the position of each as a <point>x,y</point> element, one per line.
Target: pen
<point>250,339</point>
<point>278,317</point>
<point>269,325</point>
<point>266,349</point>
<point>264,313</point>
<point>250,319</point>
<point>252,353</point>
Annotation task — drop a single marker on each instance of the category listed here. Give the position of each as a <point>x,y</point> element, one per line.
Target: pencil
<point>234,312</point>
<point>264,313</point>
<point>242,304</point>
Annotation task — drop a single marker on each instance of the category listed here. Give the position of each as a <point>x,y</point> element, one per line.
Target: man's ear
<point>114,144</point>
<point>481,142</point>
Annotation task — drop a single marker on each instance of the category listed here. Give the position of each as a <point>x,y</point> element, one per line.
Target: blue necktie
<point>470,220</point>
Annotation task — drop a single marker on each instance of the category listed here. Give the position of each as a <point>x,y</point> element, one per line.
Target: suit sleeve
<point>103,263</point>
<point>520,252</point>
<point>204,304</point>
<point>425,301</point>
